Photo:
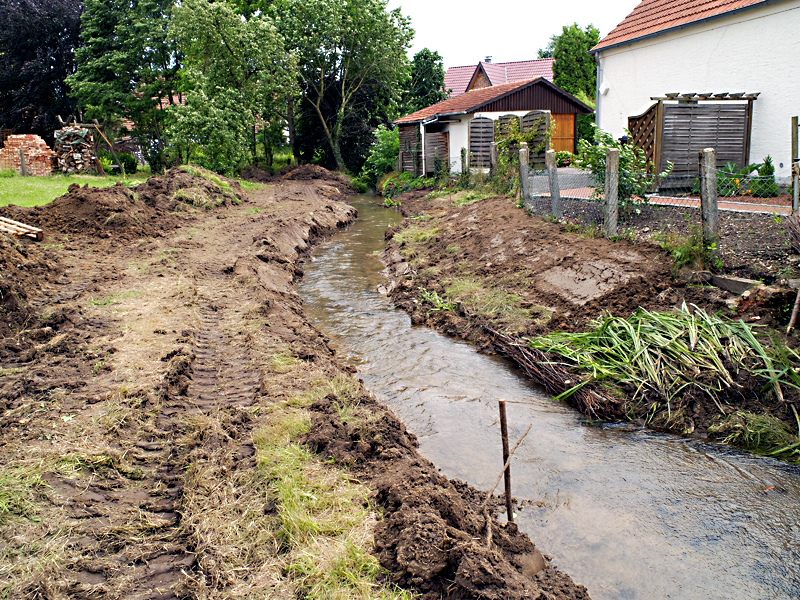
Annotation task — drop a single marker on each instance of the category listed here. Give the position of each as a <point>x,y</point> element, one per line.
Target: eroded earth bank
<point>173,427</point>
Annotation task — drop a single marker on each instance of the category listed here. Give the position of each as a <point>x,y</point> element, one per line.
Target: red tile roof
<point>656,16</point>
<point>458,78</point>
<point>464,103</point>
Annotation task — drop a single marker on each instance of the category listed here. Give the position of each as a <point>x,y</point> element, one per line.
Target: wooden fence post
<point>22,170</point>
<point>611,193</point>
<point>524,181</point>
<point>555,191</point>
<point>795,167</point>
<point>709,207</point>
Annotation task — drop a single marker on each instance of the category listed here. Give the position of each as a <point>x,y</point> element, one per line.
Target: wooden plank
<point>20,229</point>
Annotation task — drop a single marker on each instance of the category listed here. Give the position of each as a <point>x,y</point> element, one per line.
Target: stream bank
<point>469,268</point>
<point>628,512</point>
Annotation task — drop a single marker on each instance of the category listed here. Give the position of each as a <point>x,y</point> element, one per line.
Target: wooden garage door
<point>563,139</point>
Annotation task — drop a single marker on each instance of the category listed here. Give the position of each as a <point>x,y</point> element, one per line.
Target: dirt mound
<point>118,211</point>
<point>24,266</point>
<point>192,185</point>
<point>434,538</point>
<point>258,175</point>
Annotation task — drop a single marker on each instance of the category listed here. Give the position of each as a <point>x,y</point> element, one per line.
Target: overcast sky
<point>508,30</point>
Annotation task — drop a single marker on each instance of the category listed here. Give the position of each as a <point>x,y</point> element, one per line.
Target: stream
<point>629,513</point>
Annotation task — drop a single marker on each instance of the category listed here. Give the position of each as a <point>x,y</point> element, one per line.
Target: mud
<point>557,281</point>
<point>138,364</point>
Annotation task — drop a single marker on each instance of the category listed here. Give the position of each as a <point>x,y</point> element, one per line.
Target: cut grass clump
<point>493,303</point>
<point>762,433</point>
<point>224,187</point>
<point>18,488</point>
<point>665,358</point>
<point>416,233</point>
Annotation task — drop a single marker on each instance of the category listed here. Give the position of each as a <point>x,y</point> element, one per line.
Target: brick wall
<point>39,159</point>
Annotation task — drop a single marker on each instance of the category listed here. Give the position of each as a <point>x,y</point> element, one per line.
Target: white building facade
<point>755,48</point>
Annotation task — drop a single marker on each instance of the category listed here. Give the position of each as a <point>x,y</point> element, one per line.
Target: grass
<point>17,489</point>
<point>36,191</point>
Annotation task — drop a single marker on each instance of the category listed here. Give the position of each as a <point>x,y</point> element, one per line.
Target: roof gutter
<point>433,118</point>
<point>641,38</point>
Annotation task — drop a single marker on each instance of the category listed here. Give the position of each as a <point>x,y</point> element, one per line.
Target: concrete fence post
<point>709,207</point>
<point>795,166</point>
<point>524,157</point>
<point>22,170</point>
<point>493,156</point>
<point>552,178</point>
<point>611,212</point>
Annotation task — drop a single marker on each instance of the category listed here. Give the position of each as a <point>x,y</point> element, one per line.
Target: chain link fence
<point>743,218</point>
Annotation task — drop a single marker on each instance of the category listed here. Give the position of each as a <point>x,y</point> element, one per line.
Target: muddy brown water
<point>629,513</point>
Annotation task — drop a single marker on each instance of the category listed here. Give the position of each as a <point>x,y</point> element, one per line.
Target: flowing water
<point>628,513</point>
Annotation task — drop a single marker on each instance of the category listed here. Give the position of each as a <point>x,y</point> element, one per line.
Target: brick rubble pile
<point>39,159</point>
<point>74,148</point>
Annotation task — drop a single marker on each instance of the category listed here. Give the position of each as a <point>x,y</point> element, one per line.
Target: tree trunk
<point>292,129</point>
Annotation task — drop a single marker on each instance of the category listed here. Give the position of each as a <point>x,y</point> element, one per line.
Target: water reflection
<point>628,513</point>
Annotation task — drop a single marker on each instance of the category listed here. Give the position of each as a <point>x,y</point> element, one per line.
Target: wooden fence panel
<point>540,119</point>
<point>689,128</point>
<point>410,149</point>
<point>437,145</point>
<point>644,131</point>
<point>481,136</point>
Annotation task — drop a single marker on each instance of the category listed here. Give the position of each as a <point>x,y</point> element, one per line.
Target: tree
<point>343,49</point>
<point>574,68</point>
<point>427,81</point>
<point>37,43</point>
<point>127,66</point>
<point>234,70</point>
<point>547,51</point>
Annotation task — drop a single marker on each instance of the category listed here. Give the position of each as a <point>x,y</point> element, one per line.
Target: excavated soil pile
<point>434,536</point>
<point>504,270</point>
<point>297,173</point>
<point>125,213</point>
<point>24,266</point>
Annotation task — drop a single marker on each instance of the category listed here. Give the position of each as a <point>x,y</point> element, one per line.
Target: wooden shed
<point>467,121</point>
<point>678,126</point>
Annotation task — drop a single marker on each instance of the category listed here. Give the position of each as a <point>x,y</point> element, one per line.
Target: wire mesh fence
<point>752,237</point>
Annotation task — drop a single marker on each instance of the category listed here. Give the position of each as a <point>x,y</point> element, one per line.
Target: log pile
<point>38,158</point>
<point>74,148</point>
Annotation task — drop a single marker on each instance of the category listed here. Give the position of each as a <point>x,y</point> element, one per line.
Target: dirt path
<point>147,372</point>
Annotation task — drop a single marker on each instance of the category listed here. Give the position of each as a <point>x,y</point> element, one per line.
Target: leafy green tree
<point>234,69</point>
<point>343,48</point>
<point>427,81</point>
<point>127,65</point>
<point>382,154</point>
<point>547,51</point>
<point>37,43</point>
<point>574,68</point>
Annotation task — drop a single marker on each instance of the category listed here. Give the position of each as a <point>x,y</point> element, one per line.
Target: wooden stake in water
<point>507,472</point>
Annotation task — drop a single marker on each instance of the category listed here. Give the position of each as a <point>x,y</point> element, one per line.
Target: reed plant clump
<point>664,357</point>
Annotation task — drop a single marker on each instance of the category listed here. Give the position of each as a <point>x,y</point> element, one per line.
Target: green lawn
<point>35,191</point>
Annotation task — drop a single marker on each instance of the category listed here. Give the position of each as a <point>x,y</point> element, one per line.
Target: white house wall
<point>459,133</point>
<point>757,50</point>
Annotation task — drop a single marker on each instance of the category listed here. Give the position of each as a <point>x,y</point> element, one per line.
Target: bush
<point>129,162</point>
<point>634,178</point>
<point>108,162</point>
<point>564,158</point>
<point>382,155</point>
<point>765,186</point>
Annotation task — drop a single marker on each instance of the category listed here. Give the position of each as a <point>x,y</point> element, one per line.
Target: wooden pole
<point>611,192</point>
<point>552,178</point>
<point>111,147</point>
<point>507,473</point>
<point>795,167</point>
<point>709,206</point>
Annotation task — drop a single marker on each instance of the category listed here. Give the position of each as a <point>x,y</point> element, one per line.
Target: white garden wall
<point>757,50</point>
